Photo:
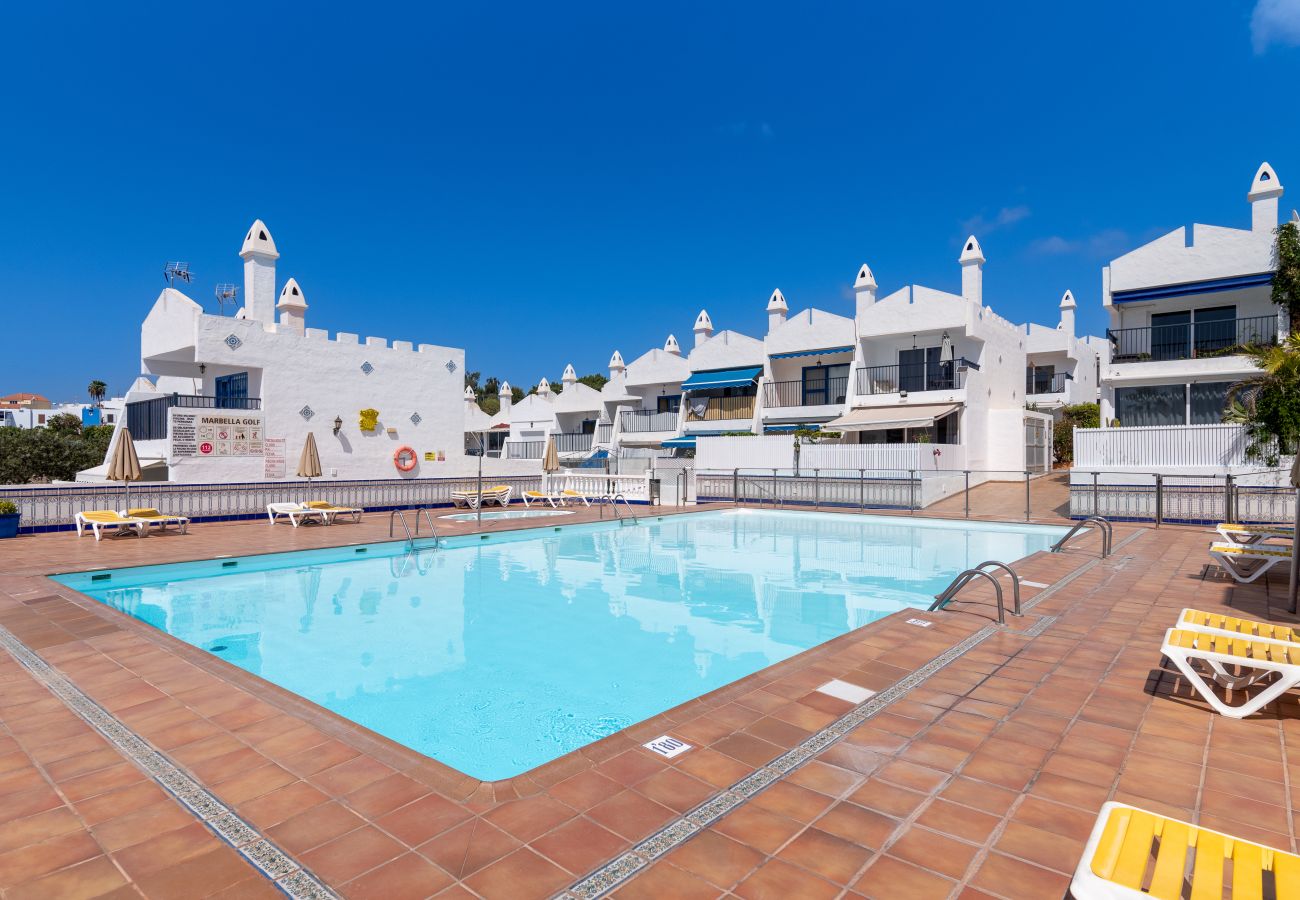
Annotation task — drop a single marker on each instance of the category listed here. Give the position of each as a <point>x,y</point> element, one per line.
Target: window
<point>1164,404</point>
<point>672,403</point>
<point>1208,402</point>
<point>1170,335</point>
<point>824,385</point>
<point>40,419</point>
<point>232,390</point>
<point>1038,379</point>
<point>1215,329</point>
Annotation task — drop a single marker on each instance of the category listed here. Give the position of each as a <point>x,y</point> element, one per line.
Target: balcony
<point>572,441</point>
<point>604,432</point>
<point>1043,383</point>
<point>913,377</point>
<point>147,419</point>
<point>525,449</point>
<point>829,392</point>
<point>1194,340</point>
<point>636,420</point>
<point>717,409</point>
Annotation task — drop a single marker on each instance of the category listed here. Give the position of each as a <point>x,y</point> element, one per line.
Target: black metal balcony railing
<point>648,420</point>
<point>525,449</point>
<point>829,392</point>
<point>147,419</point>
<point>1046,383</point>
<point>572,441</point>
<point>913,377</point>
<point>1194,340</point>
<point>604,433</point>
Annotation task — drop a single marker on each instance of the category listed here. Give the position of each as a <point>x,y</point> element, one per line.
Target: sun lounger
<point>1124,840</point>
<point>531,497</point>
<point>1256,658</point>
<point>1253,534</point>
<point>101,520</point>
<point>1217,623</point>
<point>498,494</point>
<point>333,512</point>
<point>1247,563</point>
<point>296,513</point>
<point>153,517</point>
<point>570,494</point>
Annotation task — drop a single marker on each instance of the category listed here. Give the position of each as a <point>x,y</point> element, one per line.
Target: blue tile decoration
<point>233,342</point>
<point>307,412</point>
<point>415,418</point>
<point>367,367</point>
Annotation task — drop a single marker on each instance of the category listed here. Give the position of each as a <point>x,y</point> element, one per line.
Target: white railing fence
<point>902,457</point>
<point>760,451</point>
<point>1221,447</point>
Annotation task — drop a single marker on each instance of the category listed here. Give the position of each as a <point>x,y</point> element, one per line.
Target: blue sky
<point>544,184</point>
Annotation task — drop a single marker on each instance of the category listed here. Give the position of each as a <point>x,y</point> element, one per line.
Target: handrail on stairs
<point>969,575</point>
<point>1097,522</point>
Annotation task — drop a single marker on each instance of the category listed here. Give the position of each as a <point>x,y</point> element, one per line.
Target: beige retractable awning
<point>878,418</point>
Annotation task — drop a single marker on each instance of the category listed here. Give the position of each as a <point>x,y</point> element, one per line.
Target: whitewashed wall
<point>882,457</point>
<point>1200,449</point>
<point>767,451</point>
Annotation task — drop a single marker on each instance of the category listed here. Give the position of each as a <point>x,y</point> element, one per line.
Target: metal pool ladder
<point>1097,522</point>
<point>613,504</point>
<point>970,575</point>
<point>399,515</point>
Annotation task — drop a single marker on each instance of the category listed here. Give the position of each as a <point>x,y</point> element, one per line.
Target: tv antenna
<point>174,270</point>
<point>225,294</point>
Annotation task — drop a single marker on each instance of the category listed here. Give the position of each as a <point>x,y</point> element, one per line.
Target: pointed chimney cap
<point>671,345</point>
<point>469,392</point>
<point>703,322</point>
<point>505,389</point>
<point>971,252</point>
<point>616,361</point>
<point>776,303</point>
<point>569,374</point>
<point>865,280</point>
<point>259,242</point>
<point>292,296</point>
<point>1067,300</point>
<point>544,386</point>
<point>1265,184</point>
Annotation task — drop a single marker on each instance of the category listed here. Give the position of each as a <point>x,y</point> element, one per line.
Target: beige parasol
<point>125,465</point>
<point>309,462</point>
<point>551,459</point>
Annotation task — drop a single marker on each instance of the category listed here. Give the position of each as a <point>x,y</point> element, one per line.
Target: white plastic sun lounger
<point>1218,623</point>
<point>154,517</point>
<point>531,497</point>
<point>570,494</point>
<point>296,513</point>
<point>1247,563</point>
<point>1256,658</point>
<point>101,520</point>
<point>1247,535</point>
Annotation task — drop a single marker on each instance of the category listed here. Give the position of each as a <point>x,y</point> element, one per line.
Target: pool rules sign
<point>214,434</point>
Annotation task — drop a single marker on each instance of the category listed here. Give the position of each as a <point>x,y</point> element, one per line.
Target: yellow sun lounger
<point>1196,620</point>
<point>1188,861</point>
<point>1246,563</point>
<point>101,520</point>
<point>1256,658</point>
<point>153,517</point>
<point>570,494</point>
<point>1253,534</point>
<point>498,494</point>
<point>332,512</point>
<point>531,497</point>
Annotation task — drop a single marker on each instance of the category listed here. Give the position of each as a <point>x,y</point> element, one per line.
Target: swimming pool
<point>496,653</point>
<point>508,514</point>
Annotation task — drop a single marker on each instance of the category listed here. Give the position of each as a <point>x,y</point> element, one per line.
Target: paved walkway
<point>980,781</point>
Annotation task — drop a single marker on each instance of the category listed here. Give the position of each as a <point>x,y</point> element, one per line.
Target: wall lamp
<point>338,424</point>
<point>203,367</point>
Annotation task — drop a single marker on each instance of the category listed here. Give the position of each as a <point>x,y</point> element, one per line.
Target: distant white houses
<point>37,415</point>
<point>1182,308</point>
<point>233,399</point>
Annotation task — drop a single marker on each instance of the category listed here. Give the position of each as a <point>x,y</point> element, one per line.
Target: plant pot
<point>9,524</point>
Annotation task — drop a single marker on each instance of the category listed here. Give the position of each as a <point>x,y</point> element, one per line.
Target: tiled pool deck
<point>979,777</point>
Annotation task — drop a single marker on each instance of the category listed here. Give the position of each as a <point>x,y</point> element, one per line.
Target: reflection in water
<point>497,657</point>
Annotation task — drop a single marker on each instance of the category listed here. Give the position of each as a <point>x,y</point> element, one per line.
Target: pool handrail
<point>1100,524</point>
<point>964,579</point>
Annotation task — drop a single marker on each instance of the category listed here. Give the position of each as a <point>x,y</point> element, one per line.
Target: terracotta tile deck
<point>983,780</point>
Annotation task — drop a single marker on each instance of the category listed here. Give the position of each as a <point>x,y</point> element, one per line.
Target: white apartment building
<point>1061,368</point>
<point>1182,308</point>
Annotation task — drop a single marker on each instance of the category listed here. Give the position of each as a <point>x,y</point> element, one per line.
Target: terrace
<point>976,768</point>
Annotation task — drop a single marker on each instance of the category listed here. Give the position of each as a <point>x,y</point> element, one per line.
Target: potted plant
<point>9,517</point>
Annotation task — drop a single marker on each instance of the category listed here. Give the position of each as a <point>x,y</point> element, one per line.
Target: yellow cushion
<point>143,511</point>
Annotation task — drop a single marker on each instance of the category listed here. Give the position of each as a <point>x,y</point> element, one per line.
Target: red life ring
<point>404,459</point>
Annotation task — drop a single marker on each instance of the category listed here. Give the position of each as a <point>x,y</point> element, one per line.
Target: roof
<point>727,350</point>
<point>579,397</point>
<point>23,398</point>
<point>656,367</point>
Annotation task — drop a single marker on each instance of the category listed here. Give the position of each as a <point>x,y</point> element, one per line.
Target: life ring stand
<point>404,459</point>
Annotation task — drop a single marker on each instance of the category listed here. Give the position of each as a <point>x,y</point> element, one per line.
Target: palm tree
<point>1268,403</point>
<point>97,390</point>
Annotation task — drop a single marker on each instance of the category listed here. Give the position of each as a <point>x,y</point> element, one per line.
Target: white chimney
<point>570,376</point>
<point>292,308</point>
<point>544,388</point>
<point>1067,313</point>
<point>259,255</point>
<point>864,293</point>
<point>470,400</point>
<point>671,346</point>
<point>1264,193</point>
<point>776,310</point>
<point>972,271</point>
<point>506,395</point>
<point>616,367</point>
<point>703,328</point>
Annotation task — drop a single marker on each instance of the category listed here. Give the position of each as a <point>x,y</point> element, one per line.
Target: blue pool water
<point>495,656</point>
<point>508,514</point>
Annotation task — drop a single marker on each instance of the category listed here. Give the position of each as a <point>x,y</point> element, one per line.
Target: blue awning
<point>701,381</point>
<point>1212,286</point>
<point>825,351</point>
<point>688,441</point>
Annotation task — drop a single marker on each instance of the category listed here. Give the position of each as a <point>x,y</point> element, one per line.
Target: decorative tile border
<point>278,867</point>
<point>605,879</point>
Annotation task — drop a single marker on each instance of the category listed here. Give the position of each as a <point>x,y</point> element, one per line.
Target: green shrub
<point>8,508</point>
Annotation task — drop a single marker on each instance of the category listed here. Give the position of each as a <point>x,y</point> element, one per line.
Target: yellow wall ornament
<point>369,419</point>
